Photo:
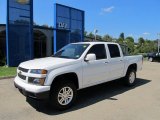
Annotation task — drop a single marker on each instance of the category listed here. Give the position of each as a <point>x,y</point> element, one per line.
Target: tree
<point>107,38</point>
<point>45,25</point>
<point>149,46</point>
<point>140,45</point>
<point>120,41</point>
<point>145,46</point>
<point>121,38</point>
<point>85,33</point>
<point>130,43</point>
<point>99,37</point>
<point>131,39</point>
<point>91,35</point>
<point>141,41</point>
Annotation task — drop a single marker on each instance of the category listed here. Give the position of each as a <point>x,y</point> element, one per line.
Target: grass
<point>7,71</point>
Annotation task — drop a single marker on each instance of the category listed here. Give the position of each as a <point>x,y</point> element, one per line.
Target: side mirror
<point>90,57</point>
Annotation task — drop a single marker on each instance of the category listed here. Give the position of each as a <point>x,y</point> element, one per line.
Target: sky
<point>136,18</point>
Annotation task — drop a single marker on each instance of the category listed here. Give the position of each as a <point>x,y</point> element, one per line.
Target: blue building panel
<point>19,31</point>
<point>69,23</point>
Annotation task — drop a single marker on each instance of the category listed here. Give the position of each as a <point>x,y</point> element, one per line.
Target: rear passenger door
<point>96,71</point>
<point>116,63</point>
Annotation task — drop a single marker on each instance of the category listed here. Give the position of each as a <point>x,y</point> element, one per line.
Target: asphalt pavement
<point>109,101</point>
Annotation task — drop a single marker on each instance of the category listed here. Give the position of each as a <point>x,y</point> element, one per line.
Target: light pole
<point>95,34</point>
<point>158,41</point>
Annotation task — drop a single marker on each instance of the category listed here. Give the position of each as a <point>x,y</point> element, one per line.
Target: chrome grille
<point>23,69</point>
<point>21,76</point>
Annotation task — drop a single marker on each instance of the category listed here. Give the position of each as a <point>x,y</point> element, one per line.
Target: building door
<point>39,44</point>
<point>2,47</point>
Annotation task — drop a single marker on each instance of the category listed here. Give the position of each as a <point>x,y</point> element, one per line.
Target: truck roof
<point>92,43</point>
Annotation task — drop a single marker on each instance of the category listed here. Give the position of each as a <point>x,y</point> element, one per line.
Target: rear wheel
<point>63,95</point>
<point>130,77</point>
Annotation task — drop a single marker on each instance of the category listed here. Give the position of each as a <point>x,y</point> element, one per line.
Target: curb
<point>1,78</point>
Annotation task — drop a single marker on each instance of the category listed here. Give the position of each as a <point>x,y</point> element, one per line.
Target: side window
<point>99,50</point>
<point>114,50</point>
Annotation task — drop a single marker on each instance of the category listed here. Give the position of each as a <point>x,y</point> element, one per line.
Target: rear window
<point>114,50</point>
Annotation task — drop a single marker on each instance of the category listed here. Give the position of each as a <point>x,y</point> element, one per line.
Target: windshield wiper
<point>62,57</point>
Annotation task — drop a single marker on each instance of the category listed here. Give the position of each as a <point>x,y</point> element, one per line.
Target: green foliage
<point>7,71</point>
<point>98,37</point>
<point>120,41</point>
<point>141,41</point>
<point>142,47</point>
<point>91,35</point>
<point>107,38</point>
<point>85,33</point>
<point>131,39</point>
<point>145,46</point>
<point>130,43</point>
<point>121,36</point>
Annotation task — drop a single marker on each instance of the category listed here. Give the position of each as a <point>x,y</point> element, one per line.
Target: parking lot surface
<point>109,101</point>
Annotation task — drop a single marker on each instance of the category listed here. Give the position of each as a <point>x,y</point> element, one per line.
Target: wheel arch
<point>69,77</point>
<point>132,66</point>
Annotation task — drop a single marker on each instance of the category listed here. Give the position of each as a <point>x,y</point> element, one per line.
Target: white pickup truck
<point>75,66</point>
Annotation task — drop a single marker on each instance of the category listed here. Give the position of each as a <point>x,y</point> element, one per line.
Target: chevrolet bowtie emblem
<point>23,1</point>
<point>20,72</point>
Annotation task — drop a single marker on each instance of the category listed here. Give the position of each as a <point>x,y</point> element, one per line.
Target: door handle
<point>121,60</point>
<point>106,62</point>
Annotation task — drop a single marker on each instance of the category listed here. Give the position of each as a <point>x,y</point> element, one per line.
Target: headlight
<point>36,81</point>
<point>38,71</point>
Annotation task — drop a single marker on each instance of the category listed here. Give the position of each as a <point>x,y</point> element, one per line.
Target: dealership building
<point>20,40</point>
<point>42,37</point>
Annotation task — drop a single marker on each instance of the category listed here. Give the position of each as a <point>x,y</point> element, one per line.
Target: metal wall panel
<point>19,31</point>
<point>69,24</point>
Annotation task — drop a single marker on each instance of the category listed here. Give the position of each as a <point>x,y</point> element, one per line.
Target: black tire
<point>128,80</point>
<point>55,91</point>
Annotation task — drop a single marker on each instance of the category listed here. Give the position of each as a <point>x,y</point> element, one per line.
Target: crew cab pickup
<point>74,67</point>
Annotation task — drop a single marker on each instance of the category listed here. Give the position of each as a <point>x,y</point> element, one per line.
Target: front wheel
<point>130,77</point>
<point>63,96</point>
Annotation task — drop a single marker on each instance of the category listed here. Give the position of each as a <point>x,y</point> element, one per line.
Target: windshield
<point>71,51</point>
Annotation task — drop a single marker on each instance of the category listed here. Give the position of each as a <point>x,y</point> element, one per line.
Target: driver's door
<point>96,71</point>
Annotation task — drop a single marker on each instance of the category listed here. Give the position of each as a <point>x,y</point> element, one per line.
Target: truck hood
<point>47,63</point>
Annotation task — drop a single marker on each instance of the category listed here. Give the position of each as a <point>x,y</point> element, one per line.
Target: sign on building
<point>62,25</point>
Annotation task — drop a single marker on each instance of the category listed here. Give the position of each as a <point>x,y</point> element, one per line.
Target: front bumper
<point>33,91</point>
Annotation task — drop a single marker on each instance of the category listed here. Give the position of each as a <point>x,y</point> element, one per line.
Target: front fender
<point>76,68</point>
